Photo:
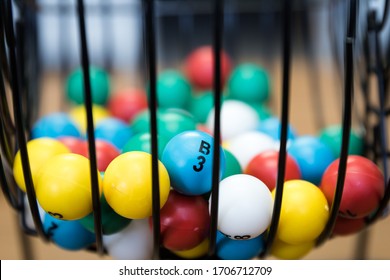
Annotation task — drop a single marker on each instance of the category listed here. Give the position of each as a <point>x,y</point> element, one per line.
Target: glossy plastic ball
<point>105,153</point>
<point>346,226</point>
<point>39,150</point>
<point>246,249</point>
<point>264,166</point>
<point>236,118</point>
<point>245,207</point>
<point>100,86</point>
<point>233,166</point>
<point>54,126</point>
<point>63,186</point>
<point>68,235</point>
<point>364,186</point>
<point>247,145</point>
<point>262,110</point>
<point>134,242</point>
<point>272,127</point>
<point>173,90</point>
<point>126,104</point>
<point>142,142</point>
<point>111,221</point>
<point>127,185</point>
<point>312,156</point>
<point>194,253</point>
<point>304,212</point>
<point>188,158</point>
<point>285,251</point>
<point>170,122</point>
<point>199,67</point>
<point>114,131</point>
<point>200,106</point>
<point>74,144</point>
<point>250,83</point>
<point>185,221</point>
<point>79,116</point>
<point>332,136</point>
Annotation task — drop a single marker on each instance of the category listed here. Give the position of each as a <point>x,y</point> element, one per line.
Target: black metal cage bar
<point>23,86</point>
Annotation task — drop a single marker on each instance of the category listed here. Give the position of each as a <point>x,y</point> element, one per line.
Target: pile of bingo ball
<point>250,135</point>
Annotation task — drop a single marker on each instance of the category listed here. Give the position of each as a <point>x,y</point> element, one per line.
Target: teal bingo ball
<point>188,158</point>
<point>69,235</point>
<point>111,221</point>
<point>238,249</point>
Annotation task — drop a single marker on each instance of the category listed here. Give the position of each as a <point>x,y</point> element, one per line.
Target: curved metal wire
<point>15,65</point>
<point>217,46</point>
<point>149,16</point>
<point>286,61</point>
<point>347,119</point>
<point>90,129</point>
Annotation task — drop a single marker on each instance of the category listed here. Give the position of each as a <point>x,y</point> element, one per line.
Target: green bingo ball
<point>332,136</point>
<point>111,221</point>
<point>232,165</point>
<point>170,122</point>
<point>201,104</point>
<point>262,110</point>
<point>173,90</point>
<point>100,86</point>
<point>142,142</point>
<point>141,122</point>
<point>249,83</point>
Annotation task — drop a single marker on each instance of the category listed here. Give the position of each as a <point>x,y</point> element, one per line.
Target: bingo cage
<point>171,131</point>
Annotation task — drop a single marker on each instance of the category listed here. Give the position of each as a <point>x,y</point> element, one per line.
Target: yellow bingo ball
<point>64,187</point>
<point>304,212</point>
<point>39,151</point>
<point>127,185</point>
<point>285,251</point>
<point>196,252</point>
<point>79,116</point>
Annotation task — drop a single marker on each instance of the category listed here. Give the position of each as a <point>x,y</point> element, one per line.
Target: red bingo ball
<point>74,144</point>
<point>199,67</point>
<point>345,226</point>
<point>264,166</point>
<point>184,221</point>
<point>105,153</point>
<point>126,104</point>
<point>363,187</point>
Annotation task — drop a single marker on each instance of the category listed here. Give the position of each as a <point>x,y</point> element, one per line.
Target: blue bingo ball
<point>312,156</point>
<point>114,131</point>
<point>188,158</point>
<point>233,249</point>
<point>272,127</point>
<point>69,235</point>
<point>55,125</point>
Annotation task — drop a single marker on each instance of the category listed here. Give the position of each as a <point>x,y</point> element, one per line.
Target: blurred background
<point>252,34</point>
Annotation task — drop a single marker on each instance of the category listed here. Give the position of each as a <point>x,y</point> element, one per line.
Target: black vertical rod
<point>151,61</point>
<point>217,45</point>
<point>379,71</point>
<point>347,118</point>
<point>18,116</point>
<point>286,62</point>
<point>90,129</point>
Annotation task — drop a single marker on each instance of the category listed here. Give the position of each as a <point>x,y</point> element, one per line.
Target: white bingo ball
<point>236,118</point>
<point>245,207</point>
<point>135,242</point>
<point>249,144</point>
